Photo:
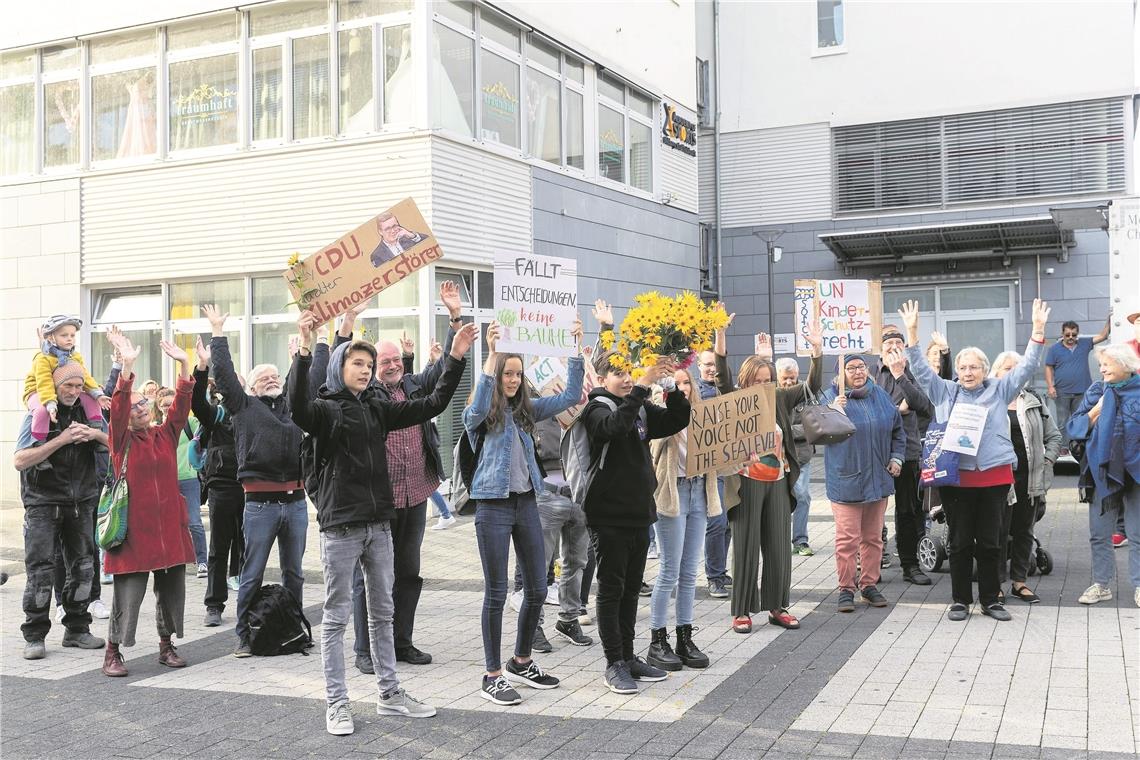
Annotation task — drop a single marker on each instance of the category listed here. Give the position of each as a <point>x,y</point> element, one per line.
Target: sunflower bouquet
<point>679,327</point>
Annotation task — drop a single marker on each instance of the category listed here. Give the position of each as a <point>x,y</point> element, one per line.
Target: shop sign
<point>678,132</point>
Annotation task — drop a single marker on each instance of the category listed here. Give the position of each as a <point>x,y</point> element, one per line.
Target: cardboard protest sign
<point>549,375</point>
<point>536,303</point>
<point>850,314</point>
<point>727,432</point>
<point>374,256</point>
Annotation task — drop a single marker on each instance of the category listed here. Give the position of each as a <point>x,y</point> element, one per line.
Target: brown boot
<point>113,662</point>
<point>168,655</point>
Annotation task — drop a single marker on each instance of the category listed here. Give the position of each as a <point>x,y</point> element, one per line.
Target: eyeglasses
<point>389,362</point>
<point>970,368</point>
<point>140,405</point>
<point>856,367</point>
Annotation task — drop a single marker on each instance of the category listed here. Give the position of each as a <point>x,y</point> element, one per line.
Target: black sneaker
<point>213,617</point>
<point>727,581</point>
<point>874,597</point>
<point>646,589</point>
<point>498,690</point>
<point>572,632</point>
<point>530,674</point>
<point>885,562</point>
<point>846,600</point>
<point>618,679</point>
<point>717,589</point>
<point>541,644</point>
<point>413,656</point>
<point>643,671</point>
<point>364,664</point>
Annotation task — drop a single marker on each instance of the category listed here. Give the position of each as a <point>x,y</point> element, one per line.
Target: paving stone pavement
<point>1060,681</point>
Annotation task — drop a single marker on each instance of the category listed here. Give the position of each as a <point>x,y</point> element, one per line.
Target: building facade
<point>949,150</point>
<point>168,157</point>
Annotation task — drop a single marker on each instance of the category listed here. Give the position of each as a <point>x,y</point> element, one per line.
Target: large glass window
<point>123,114</point>
<point>286,17</point>
<point>453,80</point>
<point>204,102</point>
<point>18,109</point>
<point>625,134</point>
<point>357,106</point>
<point>138,313</point>
<point>267,107</point>
<point>215,30</point>
<point>500,96</point>
<point>554,105</point>
<point>399,82</point>
<point>641,156</point>
<point>611,144</point>
<point>61,104</point>
<point>351,10</point>
<point>829,23</point>
<point>311,109</point>
<point>544,116</point>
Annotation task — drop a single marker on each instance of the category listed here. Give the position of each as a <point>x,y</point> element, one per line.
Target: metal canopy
<point>955,241</point>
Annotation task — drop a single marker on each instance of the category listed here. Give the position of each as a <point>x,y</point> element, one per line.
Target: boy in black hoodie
<point>619,504</point>
<point>350,420</point>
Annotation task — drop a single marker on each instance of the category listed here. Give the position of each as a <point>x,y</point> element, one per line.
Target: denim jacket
<point>493,470</point>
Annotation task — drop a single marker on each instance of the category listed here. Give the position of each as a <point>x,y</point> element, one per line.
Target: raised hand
<point>895,361</point>
<point>603,313</point>
<point>435,352</point>
<point>128,351</point>
<point>909,314</point>
<point>464,339</point>
<point>939,340</point>
<point>764,345</point>
<point>815,337</point>
<point>407,345</point>
<point>576,331</point>
<point>1041,312</point>
<point>493,334</point>
<point>449,297</point>
<point>175,352</point>
<point>204,353</point>
<point>306,323</point>
<point>216,318</point>
<point>294,346</point>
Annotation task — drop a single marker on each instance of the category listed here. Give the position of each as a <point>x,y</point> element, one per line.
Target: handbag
<point>824,425</point>
<point>111,519</point>
<point>938,467</point>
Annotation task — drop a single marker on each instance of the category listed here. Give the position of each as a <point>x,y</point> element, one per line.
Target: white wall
<point>908,59</point>
<point>653,42</point>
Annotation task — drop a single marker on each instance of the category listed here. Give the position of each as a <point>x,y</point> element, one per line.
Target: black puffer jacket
<point>355,484</point>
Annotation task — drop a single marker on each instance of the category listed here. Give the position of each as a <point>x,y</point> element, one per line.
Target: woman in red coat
<point>158,534</point>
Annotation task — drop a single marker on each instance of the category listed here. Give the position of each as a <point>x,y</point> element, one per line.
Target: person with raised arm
<point>158,540</point>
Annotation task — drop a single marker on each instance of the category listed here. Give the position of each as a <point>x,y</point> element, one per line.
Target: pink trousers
<point>41,420</point>
<point>858,531</point>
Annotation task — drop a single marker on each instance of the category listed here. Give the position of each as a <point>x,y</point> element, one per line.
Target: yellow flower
<point>607,339</point>
<point>294,260</point>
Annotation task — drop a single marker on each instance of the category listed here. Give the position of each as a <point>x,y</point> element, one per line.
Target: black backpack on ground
<point>277,624</point>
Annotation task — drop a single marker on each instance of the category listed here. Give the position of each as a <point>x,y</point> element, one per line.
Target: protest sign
<point>727,432</point>
<point>536,303</point>
<point>549,374</point>
<point>850,315</point>
<point>374,256</point>
<point>964,429</point>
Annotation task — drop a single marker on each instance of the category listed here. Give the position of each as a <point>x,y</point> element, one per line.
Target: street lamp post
<point>773,253</point>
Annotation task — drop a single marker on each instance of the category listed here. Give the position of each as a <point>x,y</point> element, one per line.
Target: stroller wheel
<point>1044,562</point>
<point>931,554</point>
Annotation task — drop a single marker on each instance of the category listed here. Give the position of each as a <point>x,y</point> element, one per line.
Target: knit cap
<point>65,372</point>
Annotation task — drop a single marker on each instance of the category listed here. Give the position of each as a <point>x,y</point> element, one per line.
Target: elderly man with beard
<point>268,446</point>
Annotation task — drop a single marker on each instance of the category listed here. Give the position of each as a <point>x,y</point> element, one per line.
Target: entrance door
<point>979,315</point>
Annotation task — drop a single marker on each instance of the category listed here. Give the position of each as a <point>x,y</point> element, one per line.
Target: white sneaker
<point>338,719</point>
<point>403,703</point>
<point>59,614</point>
<point>516,600</point>
<point>98,610</point>
<point>1095,593</point>
<point>444,523</point>
<point>552,594</point>
<point>585,619</point>
<point>233,582</point>
<point>203,570</point>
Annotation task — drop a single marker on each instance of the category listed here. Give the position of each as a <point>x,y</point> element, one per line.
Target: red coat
<point>158,523</point>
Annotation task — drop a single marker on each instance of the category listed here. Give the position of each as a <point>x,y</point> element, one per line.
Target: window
<point>267,109</point>
<point>1050,150</point>
<point>352,10</point>
<point>138,313</point>
<point>399,82</point>
<point>708,262</point>
<point>187,322</point>
<point>453,79</point>
<point>829,23</point>
<point>18,104</point>
<point>123,115</point>
<point>977,314</point>
<point>499,83</point>
<point>357,106</point>
<point>625,134</point>
<point>61,104</point>
<point>299,30</point>
<point>203,82</point>
<point>311,114</point>
<point>554,105</point>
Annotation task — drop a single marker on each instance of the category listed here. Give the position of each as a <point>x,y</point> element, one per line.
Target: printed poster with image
<point>549,376</point>
<point>353,269</point>
<point>536,303</point>
<point>850,314</point>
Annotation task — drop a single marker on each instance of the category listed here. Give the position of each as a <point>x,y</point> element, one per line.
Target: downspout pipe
<point>716,143</point>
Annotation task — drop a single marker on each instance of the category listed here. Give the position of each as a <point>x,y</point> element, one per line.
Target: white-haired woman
<point>974,507</point>
<point>1037,442</point>
<point>1108,418</point>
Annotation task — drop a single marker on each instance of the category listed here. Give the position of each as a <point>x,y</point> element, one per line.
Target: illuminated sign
<point>678,132</point>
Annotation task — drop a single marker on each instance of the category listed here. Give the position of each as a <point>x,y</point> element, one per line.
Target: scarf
<point>50,349</point>
<point>1114,442</point>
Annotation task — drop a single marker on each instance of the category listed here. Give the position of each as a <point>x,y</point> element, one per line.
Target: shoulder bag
<point>111,520</point>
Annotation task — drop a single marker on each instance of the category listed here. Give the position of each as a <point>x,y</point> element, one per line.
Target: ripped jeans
<point>74,528</point>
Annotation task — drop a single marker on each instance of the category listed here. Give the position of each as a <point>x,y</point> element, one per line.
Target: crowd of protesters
<point>238,445</point>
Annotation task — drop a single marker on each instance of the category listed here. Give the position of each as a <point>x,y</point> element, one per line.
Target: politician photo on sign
<point>394,239</point>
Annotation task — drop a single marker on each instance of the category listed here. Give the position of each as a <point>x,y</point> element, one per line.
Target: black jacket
<point>220,468</point>
<point>355,485</point>
<point>906,389</point>
<point>267,441</point>
<point>621,494</point>
<point>69,477</point>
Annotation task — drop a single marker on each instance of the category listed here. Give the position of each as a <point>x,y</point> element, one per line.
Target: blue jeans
<point>1101,528</point>
<point>440,504</point>
<point>718,533</point>
<point>679,541</point>
<point>348,552</point>
<point>192,492</point>
<point>801,492</point>
<point>497,522</point>
<point>263,523</point>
